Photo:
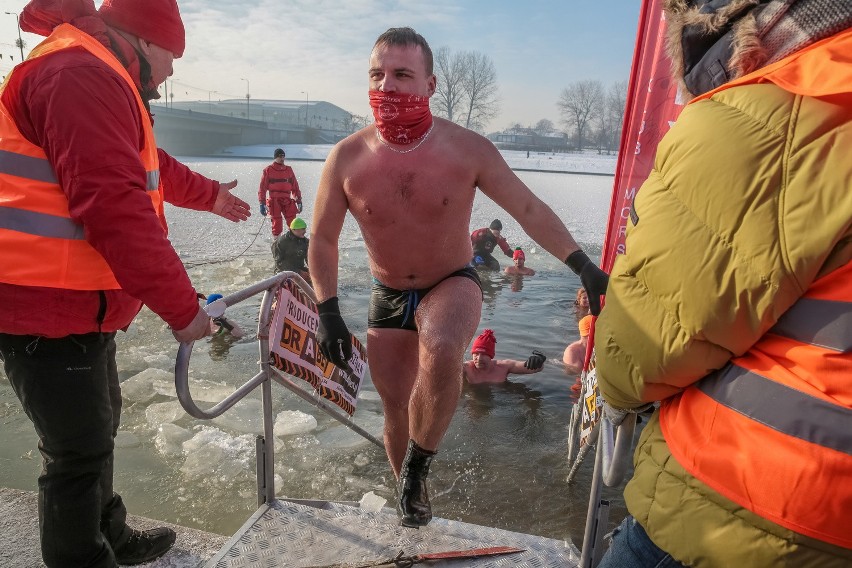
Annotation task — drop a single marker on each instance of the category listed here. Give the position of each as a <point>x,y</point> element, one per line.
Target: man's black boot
<point>414,506</point>
<point>144,546</point>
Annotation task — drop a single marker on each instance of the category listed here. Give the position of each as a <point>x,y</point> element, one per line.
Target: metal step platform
<point>302,533</point>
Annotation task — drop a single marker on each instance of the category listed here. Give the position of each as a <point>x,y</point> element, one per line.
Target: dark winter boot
<point>414,506</point>
<point>144,546</point>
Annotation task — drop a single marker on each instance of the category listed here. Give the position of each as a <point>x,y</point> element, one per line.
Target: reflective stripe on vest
<point>34,219</point>
<point>772,430</point>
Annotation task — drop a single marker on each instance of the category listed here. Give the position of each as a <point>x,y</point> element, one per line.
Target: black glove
<point>536,361</point>
<point>299,206</point>
<point>333,335</point>
<point>593,279</point>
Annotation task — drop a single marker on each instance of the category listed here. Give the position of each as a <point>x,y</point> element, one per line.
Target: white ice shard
<point>215,456</point>
<point>246,416</point>
<point>160,361</point>
<point>144,386</point>
<point>164,412</point>
<point>170,438</point>
<point>371,502</point>
<point>291,422</point>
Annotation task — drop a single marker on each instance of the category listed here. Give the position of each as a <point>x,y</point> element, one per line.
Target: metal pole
<point>20,41</point>
<point>306,108</point>
<point>248,96</point>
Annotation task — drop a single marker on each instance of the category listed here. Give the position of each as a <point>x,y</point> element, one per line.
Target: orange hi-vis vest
<point>40,244</point>
<point>772,430</point>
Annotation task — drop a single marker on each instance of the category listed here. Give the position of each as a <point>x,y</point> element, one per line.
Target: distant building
<point>530,140</point>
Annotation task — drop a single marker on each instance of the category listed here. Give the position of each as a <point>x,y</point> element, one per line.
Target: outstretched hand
<point>535,361</point>
<point>230,206</point>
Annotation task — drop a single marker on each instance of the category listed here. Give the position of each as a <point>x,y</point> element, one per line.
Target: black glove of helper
<point>593,279</point>
<point>536,361</point>
<point>333,335</point>
<point>299,206</point>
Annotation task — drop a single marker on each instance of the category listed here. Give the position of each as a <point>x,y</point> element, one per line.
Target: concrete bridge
<point>187,132</point>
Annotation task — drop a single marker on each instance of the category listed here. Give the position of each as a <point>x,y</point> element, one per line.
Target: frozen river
<point>502,462</point>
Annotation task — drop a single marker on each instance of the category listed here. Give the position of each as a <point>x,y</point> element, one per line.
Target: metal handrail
<point>262,379</point>
<point>217,309</point>
<point>610,466</point>
<point>616,457</point>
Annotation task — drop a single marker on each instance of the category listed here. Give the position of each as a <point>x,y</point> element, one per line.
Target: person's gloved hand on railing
<point>535,361</point>
<point>333,335</point>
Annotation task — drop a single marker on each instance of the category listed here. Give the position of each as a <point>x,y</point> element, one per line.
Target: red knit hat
<point>485,343</point>
<point>157,21</point>
<point>518,254</point>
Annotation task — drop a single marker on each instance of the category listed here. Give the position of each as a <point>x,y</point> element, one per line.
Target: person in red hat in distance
<point>83,245</point>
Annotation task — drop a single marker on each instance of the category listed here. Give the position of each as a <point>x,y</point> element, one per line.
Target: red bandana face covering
<point>401,118</point>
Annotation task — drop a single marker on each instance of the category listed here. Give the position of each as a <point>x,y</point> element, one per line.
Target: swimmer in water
<point>483,368</point>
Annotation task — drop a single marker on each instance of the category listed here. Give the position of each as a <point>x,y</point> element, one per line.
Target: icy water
<point>502,462</point>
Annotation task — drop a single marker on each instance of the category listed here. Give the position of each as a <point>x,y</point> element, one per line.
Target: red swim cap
<point>485,343</point>
<point>518,254</point>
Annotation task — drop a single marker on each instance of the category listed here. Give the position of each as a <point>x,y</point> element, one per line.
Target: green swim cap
<point>298,223</point>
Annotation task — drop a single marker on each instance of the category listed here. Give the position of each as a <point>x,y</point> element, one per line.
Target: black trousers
<point>69,389</point>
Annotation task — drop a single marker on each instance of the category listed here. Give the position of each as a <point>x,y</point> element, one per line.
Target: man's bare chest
<point>417,192</point>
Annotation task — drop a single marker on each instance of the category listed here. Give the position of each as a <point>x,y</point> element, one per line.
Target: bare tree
<point>482,102</point>
<point>607,123</point>
<point>467,88</point>
<point>544,127</point>
<point>578,105</point>
<point>451,70</point>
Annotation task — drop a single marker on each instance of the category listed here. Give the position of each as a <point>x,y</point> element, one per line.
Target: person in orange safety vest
<point>83,245</point>
<point>733,303</point>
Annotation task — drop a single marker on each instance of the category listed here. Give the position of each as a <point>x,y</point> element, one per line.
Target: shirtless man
<point>400,178</point>
<point>485,369</point>
<point>519,258</point>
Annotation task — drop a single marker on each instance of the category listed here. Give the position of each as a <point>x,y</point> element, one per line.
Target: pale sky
<point>287,48</point>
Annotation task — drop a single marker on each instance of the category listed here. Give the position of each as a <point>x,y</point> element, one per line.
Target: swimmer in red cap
<point>519,269</point>
<point>483,368</point>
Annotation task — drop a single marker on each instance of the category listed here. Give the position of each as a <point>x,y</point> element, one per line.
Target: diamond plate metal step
<point>301,533</point>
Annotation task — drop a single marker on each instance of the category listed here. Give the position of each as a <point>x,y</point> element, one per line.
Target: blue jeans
<point>631,548</point>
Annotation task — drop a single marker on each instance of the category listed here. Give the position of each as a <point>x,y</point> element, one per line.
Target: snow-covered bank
<point>586,162</point>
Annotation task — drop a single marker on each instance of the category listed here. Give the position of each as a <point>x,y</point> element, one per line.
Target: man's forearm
<point>323,258</point>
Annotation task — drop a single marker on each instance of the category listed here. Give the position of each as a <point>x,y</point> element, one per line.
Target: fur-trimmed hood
<point>711,42</point>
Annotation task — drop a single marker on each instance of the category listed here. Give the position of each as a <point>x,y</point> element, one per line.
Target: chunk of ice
<point>246,416</point>
<point>291,422</point>
<point>144,386</point>
<point>371,502</point>
<point>170,438</point>
<point>164,412</point>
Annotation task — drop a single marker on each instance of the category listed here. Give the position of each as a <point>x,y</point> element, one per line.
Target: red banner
<point>652,106</point>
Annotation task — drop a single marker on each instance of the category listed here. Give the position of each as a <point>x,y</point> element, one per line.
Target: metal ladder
<point>315,532</point>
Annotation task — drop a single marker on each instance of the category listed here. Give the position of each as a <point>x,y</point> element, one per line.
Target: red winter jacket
<point>278,178</point>
<point>86,119</point>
